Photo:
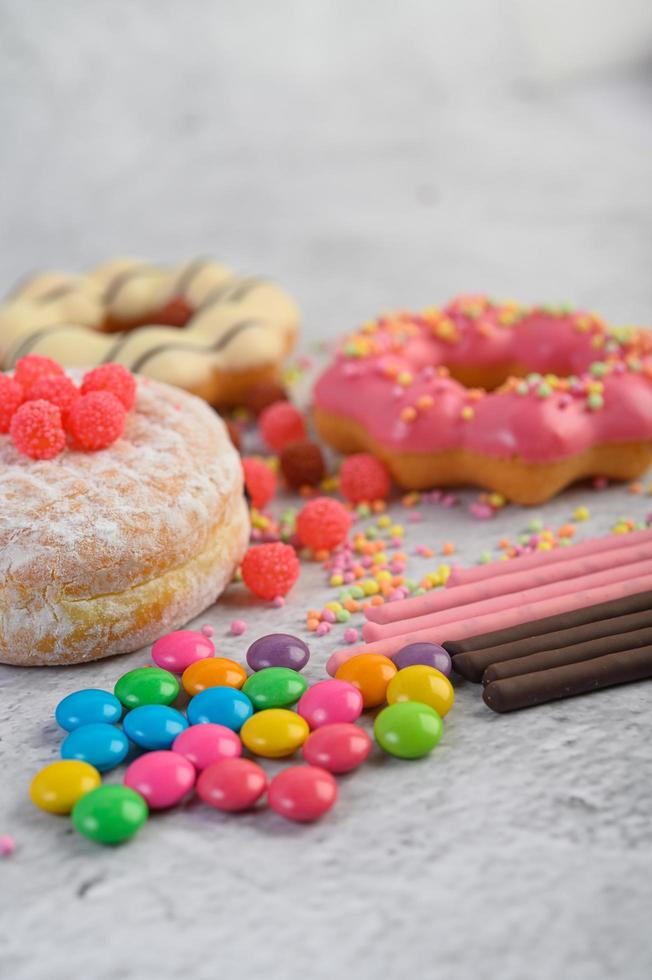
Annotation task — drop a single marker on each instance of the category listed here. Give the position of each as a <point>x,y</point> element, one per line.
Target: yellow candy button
<point>274,733</point>
<point>422,683</point>
<point>57,787</point>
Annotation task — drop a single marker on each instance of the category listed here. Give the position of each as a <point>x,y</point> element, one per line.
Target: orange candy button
<point>213,672</point>
<point>370,673</point>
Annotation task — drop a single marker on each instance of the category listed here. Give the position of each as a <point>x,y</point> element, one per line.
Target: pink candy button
<point>328,702</point>
<point>178,650</point>
<point>232,784</point>
<point>338,748</point>
<point>302,793</point>
<point>162,778</point>
<point>208,743</point>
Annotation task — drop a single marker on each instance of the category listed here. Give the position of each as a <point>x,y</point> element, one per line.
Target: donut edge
<point>519,481</point>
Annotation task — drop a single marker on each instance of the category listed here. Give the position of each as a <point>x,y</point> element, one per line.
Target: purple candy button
<point>430,654</point>
<point>278,650</point>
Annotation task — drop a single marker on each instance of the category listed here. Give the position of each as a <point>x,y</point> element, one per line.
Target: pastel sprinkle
<point>7,845</point>
<point>238,627</point>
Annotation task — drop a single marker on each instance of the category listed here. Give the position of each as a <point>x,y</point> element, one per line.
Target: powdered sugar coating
<point>88,525</point>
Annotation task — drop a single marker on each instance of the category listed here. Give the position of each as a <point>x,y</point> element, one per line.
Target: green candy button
<point>109,814</point>
<point>408,729</point>
<point>274,687</point>
<point>146,685</point>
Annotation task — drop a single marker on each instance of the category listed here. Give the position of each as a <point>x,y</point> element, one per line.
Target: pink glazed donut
<point>522,401</point>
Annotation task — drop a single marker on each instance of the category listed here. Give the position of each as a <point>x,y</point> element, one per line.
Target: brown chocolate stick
<point>474,664</point>
<point>577,617</point>
<point>577,653</point>
<point>528,690</point>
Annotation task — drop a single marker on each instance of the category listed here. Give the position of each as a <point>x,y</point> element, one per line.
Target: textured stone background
<point>369,156</point>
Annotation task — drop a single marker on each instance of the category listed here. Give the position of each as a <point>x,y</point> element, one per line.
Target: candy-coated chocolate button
<point>278,650</point>
<point>146,685</point>
<point>232,784</point>
<point>102,746</point>
<point>204,744</point>
<point>408,729</point>
<point>274,733</point>
<point>222,706</point>
<point>274,687</point>
<point>328,702</point>
<point>302,793</point>
<point>88,707</point>
<point>154,726</point>
<point>337,748</point>
<point>57,787</point>
<point>110,814</point>
<point>178,650</point>
<point>216,672</point>
<point>162,778</point>
<point>424,684</point>
<point>430,654</point>
<point>370,673</point>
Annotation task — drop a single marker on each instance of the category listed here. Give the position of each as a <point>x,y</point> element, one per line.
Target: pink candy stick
<point>436,601</point>
<point>374,631</point>
<point>514,616</point>
<point>611,542</point>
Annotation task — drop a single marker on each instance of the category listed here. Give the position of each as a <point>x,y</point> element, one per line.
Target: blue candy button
<point>154,726</point>
<point>103,746</point>
<point>222,706</point>
<point>88,707</point>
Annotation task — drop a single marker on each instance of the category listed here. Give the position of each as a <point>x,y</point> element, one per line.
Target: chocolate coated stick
<point>475,664</point>
<point>563,656</point>
<point>528,690</point>
<point>575,617</point>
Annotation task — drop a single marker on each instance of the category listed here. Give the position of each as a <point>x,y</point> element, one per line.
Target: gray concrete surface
<point>369,156</point>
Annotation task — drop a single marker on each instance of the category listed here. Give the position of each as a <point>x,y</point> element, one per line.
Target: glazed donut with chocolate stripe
<point>197,326</point>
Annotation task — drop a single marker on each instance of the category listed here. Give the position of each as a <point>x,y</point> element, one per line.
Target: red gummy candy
<point>58,389</point>
<point>11,397</point>
<point>32,368</point>
<point>363,477</point>
<point>281,423</point>
<point>270,570</point>
<point>323,523</point>
<point>114,378</point>
<point>36,430</point>
<point>96,420</point>
<point>260,481</point>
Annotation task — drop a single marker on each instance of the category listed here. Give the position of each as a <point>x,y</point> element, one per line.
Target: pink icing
<point>586,386</point>
<point>515,615</point>
<point>502,585</point>
<point>549,590</point>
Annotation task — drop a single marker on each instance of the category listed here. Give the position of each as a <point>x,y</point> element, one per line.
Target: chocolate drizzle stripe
<point>188,275</point>
<point>219,345</point>
<point>30,342</point>
<point>117,346</point>
<point>56,292</point>
<point>218,294</point>
<point>122,278</point>
<point>246,286</point>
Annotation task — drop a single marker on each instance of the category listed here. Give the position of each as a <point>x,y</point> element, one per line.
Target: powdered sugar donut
<point>196,325</point>
<point>520,400</point>
<point>102,552</point>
